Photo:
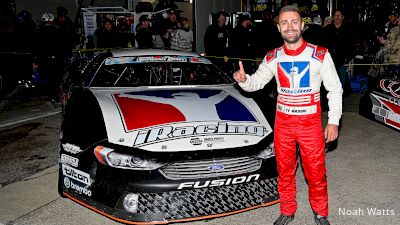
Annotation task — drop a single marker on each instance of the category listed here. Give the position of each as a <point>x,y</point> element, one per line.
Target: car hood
<point>170,119</point>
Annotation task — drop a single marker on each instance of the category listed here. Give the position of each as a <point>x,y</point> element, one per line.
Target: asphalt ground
<point>363,182</point>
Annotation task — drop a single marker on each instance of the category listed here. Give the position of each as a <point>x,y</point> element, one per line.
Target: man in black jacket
<point>241,42</point>
<point>216,39</point>
<point>144,36</point>
<point>339,42</point>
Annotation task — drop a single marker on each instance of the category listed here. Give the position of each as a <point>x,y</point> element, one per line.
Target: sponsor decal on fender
<point>71,148</point>
<point>76,174</point>
<point>166,133</point>
<point>69,160</point>
<point>219,182</point>
<point>390,86</point>
<point>82,190</point>
<point>387,114</point>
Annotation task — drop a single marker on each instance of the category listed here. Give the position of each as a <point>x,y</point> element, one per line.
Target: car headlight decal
<point>268,152</point>
<point>109,157</point>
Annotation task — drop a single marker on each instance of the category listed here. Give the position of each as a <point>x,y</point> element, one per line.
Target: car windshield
<point>158,71</point>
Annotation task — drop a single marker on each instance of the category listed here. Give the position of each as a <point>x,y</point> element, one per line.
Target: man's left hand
<point>331,132</point>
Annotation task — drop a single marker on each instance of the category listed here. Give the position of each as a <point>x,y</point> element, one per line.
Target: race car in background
<point>157,136</point>
<point>382,104</point>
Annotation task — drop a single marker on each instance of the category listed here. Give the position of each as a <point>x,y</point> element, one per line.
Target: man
<point>170,25</point>
<point>299,68</point>
<point>383,33</point>
<point>241,42</point>
<point>339,43</point>
<point>106,36</point>
<point>390,52</point>
<point>144,36</point>
<point>266,35</point>
<point>49,56</point>
<point>216,39</point>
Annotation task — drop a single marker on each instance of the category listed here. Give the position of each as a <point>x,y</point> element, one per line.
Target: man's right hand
<point>240,75</point>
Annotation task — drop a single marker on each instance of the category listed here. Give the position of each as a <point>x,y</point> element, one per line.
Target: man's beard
<point>293,39</point>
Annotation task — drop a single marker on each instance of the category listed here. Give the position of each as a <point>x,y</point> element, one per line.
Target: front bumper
<point>187,205</point>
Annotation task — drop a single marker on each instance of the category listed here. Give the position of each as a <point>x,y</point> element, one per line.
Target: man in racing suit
<point>299,68</point>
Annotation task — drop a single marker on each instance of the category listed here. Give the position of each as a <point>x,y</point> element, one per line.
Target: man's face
<point>393,19</point>
<point>246,23</point>
<point>221,20</point>
<point>338,17</point>
<point>146,24</point>
<point>290,24</point>
<point>107,26</point>
<point>172,17</point>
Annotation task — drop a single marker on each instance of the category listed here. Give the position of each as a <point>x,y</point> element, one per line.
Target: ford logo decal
<point>215,167</point>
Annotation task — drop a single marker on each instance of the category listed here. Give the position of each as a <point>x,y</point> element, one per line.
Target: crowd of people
<point>51,40</point>
<point>40,51</point>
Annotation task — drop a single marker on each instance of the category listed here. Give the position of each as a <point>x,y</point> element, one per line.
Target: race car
<point>382,104</point>
<point>159,136</point>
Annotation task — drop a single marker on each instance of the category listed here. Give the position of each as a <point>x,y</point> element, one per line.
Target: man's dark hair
<point>221,13</point>
<point>338,10</point>
<point>289,8</point>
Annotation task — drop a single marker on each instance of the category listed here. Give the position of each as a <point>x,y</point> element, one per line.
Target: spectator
<point>144,36</point>
<point>182,37</point>
<point>65,28</point>
<point>216,39</point>
<point>123,32</point>
<point>24,22</point>
<point>24,30</point>
<point>313,32</point>
<point>241,42</point>
<point>340,44</point>
<point>49,56</point>
<point>390,52</point>
<point>170,25</point>
<point>266,35</point>
<point>105,37</point>
<point>383,33</point>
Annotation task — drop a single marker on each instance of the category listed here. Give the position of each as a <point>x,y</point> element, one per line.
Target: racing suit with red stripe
<point>299,74</point>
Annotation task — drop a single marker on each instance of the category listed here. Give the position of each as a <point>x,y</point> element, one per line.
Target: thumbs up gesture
<point>240,75</point>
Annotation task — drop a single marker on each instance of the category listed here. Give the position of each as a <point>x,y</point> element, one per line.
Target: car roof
<point>142,52</point>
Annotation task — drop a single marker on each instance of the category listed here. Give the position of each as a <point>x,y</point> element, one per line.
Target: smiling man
<point>299,68</point>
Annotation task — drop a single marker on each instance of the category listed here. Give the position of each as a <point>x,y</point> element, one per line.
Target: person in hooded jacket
<point>106,36</point>
<point>182,37</point>
<point>144,36</point>
<point>49,56</point>
<point>241,44</point>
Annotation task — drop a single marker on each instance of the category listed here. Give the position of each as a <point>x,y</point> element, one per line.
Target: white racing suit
<point>298,119</point>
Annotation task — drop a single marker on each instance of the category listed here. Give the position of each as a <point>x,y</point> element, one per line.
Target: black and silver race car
<point>157,136</point>
<point>382,104</point>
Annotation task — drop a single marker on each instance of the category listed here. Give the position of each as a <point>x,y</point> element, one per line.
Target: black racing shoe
<point>284,219</point>
<point>320,220</point>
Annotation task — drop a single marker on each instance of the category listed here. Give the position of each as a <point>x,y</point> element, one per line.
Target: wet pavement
<point>29,134</point>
